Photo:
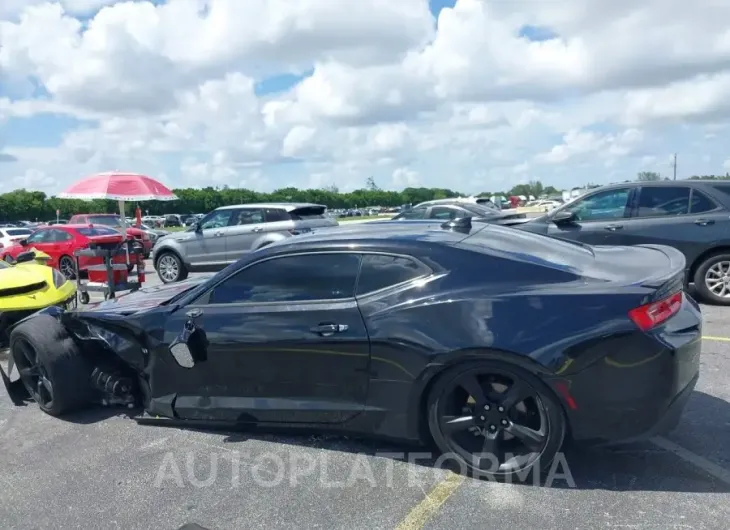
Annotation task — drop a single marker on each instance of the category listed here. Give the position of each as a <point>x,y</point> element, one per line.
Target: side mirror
<point>23,242</point>
<point>196,227</point>
<point>563,217</point>
<point>25,257</point>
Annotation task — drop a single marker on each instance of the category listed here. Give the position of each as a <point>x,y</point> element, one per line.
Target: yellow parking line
<point>719,339</point>
<point>427,508</point>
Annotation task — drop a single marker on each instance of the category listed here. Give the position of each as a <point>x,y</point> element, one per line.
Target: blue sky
<point>46,130</point>
<point>490,104</point>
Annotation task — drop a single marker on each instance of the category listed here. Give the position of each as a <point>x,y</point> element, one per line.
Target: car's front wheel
<point>495,420</point>
<point>170,268</point>
<point>50,365</point>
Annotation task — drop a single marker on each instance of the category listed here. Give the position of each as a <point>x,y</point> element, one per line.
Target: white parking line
<point>696,460</point>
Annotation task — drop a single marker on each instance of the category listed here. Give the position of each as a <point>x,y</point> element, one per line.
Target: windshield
<point>97,231</point>
<point>108,220</point>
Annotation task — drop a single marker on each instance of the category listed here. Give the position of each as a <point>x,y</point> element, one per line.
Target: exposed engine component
<point>116,389</point>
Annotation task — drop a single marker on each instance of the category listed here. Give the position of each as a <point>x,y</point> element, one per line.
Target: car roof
<point>288,206</point>
<point>374,233</point>
<point>454,201</point>
<point>661,184</point>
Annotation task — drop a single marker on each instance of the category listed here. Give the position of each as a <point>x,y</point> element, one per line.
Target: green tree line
<point>25,205</point>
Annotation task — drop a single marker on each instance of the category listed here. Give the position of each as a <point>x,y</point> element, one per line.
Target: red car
<point>60,242</point>
<point>114,221</point>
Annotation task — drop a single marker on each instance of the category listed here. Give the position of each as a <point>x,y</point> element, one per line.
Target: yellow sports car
<point>26,285</point>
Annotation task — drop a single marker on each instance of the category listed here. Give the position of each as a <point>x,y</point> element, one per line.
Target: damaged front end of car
<point>115,344</point>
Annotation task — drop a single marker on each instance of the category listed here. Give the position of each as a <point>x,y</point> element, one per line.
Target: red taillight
<point>651,315</point>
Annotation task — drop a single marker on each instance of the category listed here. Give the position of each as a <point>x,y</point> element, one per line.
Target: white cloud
<point>463,101</point>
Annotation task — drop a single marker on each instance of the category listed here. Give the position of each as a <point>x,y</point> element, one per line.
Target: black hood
<point>146,298</point>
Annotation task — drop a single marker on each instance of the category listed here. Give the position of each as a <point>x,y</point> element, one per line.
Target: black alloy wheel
<point>67,266</point>
<point>496,420</point>
<point>34,374</point>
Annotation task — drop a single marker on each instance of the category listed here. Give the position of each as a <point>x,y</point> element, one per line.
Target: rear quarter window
<point>379,271</point>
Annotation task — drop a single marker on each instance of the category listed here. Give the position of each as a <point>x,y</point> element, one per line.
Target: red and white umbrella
<point>119,186</point>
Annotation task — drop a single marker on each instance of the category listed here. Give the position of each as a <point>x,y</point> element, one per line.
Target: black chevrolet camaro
<point>494,344</point>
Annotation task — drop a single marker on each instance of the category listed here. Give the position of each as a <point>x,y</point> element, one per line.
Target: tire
<point>84,298</point>
<point>451,435</point>
<point>67,266</point>
<point>58,360</point>
<point>169,261</point>
<point>710,269</point>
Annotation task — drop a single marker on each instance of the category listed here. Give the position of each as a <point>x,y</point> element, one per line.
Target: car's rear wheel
<point>712,279</point>
<point>67,266</point>
<point>170,268</point>
<point>495,420</point>
<point>50,365</point>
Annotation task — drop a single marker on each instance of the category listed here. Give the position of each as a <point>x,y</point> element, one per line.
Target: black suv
<point>690,215</point>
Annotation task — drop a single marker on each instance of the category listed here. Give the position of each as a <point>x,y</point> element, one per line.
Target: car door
<point>42,240</point>
<point>59,243</point>
<point>207,244</point>
<point>246,226</point>
<point>679,216</point>
<point>600,217</point>
<point>281,340</point>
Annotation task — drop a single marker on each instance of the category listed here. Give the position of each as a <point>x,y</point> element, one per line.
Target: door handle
<point>218,234</point>
<point>613,228</point>
<point>327,330</point>
<point>704,222</point>
<point>258,229</point>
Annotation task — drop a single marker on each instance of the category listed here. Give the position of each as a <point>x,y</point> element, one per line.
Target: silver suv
<point>227,234</point>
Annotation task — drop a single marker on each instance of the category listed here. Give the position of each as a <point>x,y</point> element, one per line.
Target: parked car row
<point>692,216</point>
<point>228,233</point>
<point>60,242</point>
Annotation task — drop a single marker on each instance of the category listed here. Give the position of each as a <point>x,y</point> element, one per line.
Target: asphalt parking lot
<point>100,469</point>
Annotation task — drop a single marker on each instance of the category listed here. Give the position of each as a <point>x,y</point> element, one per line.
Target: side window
<point>62,235</point>
<point>381,271</point>
<point>415,213</point>
<point>216,219</point>
<point>604,205</point>
<point>274,215</point>
<point>247,216</point>
<point>701,203</point>
<point>663,201</point>
<point>440,212</point>
<point>55,236</point>
<point>300,278</point>
<point>40,236</point>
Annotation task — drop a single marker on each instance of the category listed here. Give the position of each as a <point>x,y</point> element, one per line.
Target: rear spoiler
<point>667,283</point>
